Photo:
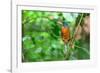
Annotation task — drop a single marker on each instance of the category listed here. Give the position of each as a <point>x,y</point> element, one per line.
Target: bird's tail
<point>65,49</point>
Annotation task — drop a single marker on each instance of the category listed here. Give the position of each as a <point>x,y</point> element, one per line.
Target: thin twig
<point>73,37</point>
<point>82,49</point>
<point>78,25</point>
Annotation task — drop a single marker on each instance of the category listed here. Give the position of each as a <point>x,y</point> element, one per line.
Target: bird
<point>65,32</point>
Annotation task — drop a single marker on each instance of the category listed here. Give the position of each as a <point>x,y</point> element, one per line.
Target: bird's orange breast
<point>65,33</point>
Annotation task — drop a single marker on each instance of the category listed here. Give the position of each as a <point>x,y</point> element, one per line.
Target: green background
<point>41,37</point>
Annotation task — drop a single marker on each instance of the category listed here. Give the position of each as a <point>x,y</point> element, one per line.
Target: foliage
<point>41,37</point>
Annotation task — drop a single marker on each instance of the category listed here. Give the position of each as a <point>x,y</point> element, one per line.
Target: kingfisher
<point>65,32</point>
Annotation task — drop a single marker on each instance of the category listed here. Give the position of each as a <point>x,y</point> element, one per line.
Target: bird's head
<point>65,24</point>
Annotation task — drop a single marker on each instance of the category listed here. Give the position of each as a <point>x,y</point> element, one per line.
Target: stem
<point>78,25</point>
<point>72,40</point>
<point>82,49</point>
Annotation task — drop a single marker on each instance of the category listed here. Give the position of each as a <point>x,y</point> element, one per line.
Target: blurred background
<point>41,36</point>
